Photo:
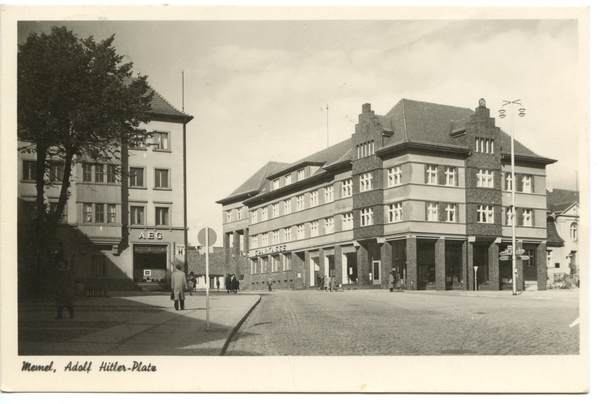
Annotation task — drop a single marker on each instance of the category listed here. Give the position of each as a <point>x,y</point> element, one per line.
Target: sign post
<point>207,237</point>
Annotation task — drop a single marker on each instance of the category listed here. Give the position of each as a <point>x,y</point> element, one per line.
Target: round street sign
<point>212,237</point>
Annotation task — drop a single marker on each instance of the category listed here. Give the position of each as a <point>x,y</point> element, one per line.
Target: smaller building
<point>563,237</point>
<point>217,269</point>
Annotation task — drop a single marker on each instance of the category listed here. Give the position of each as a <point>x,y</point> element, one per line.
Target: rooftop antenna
<point>327,125</point>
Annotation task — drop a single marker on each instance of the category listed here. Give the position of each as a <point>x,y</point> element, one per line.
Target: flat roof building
<point>423,192</point>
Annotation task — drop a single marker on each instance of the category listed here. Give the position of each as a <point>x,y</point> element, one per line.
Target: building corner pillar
<point>440,264</point>
<point>542,270</point>
<point>494,266</point>
<point>411,263</point>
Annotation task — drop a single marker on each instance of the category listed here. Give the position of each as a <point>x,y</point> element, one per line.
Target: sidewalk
<point>134,323</point>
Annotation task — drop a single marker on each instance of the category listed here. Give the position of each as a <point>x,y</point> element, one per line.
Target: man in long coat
<point>178,286</point>
<point>228,283</point>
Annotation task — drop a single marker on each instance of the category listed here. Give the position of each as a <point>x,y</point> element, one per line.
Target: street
<point>410,323</point>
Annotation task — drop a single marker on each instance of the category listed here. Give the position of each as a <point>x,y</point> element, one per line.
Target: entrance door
<point>314,269</point>
<point>376,272</point>
<point>349,268</point>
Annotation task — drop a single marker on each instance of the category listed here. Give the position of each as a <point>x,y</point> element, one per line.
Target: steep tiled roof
<point>161,107</point>
<point>553,238</point>
<point>558,200</point>
<point>255,182</point>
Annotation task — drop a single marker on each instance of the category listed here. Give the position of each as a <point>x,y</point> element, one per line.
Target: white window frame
<point>366,182</point>
<point>264,213</point>
<point>254,241</point>
<point>347,221</point>
<point>485,178</point>
<point>276,209</point>
<point>239,213</point>
<point>254,216</point>
<point>228,213</point>
<point>431,212</point>
<point>573,230</point>
<point>485,214</point>
<point>300,232</point>
<point>395,212</point>
<point>527,217</point>
<point>329,194</point>
<point>508,181</point>
<point>265,240</point>
<point>300,202</point>
<point>276,237</point>
<point>314,228</point>
<point>162,220</point>
<point>301,174</point>
<point>451,213</point>
<point>329,225</point>
<point>366,217</point>
<point>431,174</point>
<point>347,188</point>
<point>450,173</point>
<point>276,183</point>
<point>314,198</point>
<point>137,208</point>
<point>394,176</point>
<point>287,180</point>
<point>287,234</point>
<point>509,216</point>
<point>527,180</point>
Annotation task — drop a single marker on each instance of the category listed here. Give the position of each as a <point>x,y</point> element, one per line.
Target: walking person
<point>269,284</point>
<point>228,282</point>
<point>395,282</point>
<point>392,281</point>
<point>63,291</point>
<point>191,282</point>
<point>178,287</point>
<point>218,284</point>
<point>332,284</point>
<point>234,283</point>
<point>326,283</point>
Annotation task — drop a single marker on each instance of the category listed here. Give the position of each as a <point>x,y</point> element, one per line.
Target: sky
<point>273,90</point>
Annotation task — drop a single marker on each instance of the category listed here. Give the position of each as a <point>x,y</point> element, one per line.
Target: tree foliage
<point>76,101</point>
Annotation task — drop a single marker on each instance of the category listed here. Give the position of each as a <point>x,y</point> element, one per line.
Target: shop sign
<point>270,250</point>
<point>180,248</point>
<point>150,235</point>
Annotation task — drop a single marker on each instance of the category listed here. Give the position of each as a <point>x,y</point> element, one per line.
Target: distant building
<point>217,268</point>
<point>423,191</point>
<point>563,235</point>
<point>123,223</point>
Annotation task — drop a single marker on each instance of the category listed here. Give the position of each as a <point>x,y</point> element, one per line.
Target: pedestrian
<point>320,281</point>
<point>269,283</point>
<point>392,281</point>
<point>326,283</point>
<point>395,282</point>
<point>178,287</point>
<point>218,284</point>
<point>234,283</point>
<point>228,282</point>
<point>63,291</point>
<point>332,284</point>
<point>191,282</point>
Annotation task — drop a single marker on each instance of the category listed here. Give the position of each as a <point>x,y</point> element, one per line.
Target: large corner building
<point>423,191</point>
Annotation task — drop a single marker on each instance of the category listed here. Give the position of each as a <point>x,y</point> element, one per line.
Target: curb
<point>233,330</point>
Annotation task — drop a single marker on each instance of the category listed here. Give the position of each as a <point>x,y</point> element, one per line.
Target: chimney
<point>366,108</point>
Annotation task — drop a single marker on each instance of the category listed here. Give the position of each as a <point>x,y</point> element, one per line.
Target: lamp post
<point>512,184</point>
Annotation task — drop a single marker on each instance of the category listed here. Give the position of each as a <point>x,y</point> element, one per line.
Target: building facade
<point>123,225</point>
<point>423,192</point>
<point>563,237</point>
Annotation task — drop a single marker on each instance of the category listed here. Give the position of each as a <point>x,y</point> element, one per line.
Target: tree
<point>76,101</point>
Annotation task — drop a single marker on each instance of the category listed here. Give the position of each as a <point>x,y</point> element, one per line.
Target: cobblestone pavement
<point>410,323</point>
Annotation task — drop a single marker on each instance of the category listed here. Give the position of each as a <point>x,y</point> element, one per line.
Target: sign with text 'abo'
<point>212,237</point>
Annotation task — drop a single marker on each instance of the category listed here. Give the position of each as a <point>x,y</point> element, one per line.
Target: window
<point>161,178</point>
<point>263,265</point>
<point>366,182</point>
<point>346,188</point>
<point>63,217</point>
<point>300,202</point>
<point>527,217</point>
<point>509,216</point>
<point>365,149</point>
<point>573,231</point>
<point>253,266</point>
<point>99,171</point>
<point>394,176</point>
<point>508,182</point>
<point>239,213</point>
<point>485,214</point>
<point>88,213</point>
<point>431,212</point>
<point>287,206</point>
<point>29,170</point>
<point>300,232</point>
<point>348,221</point>
<point>366,217</point>
<point>228,213</point>
<point>287,180</point>
<point>99,213</point>
<point>137,215</point>
<point>531,255</point>
<point>276,183</point>
<point>287,234</point>
<point>329,227</point>
<point>276,237</point>
<point>329,194</point>
<point>275,263</point>
<point>87,172</point>
<point>265,213</point>
<point>162,216</point>
<point>112,213</point>
<point>300,175</point>
<point>395,212</point>
<point>450,176</point>
<point>484,145</point>
<point>265,240</point>
<point>254,216</point>
<point>287,262</point>
<point>136,177</point>
<point>57,171</point>
<point>254,241</point>
<point>162,141</point>
<point>451,212</point>
<point>430,174</point>
<point>485,178</point>
<point>275,209</point>
<point>314,198</point>
<point>527,183</point>
<point>314,229</point>
<point>111,174</point>
<point>98,266</point>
